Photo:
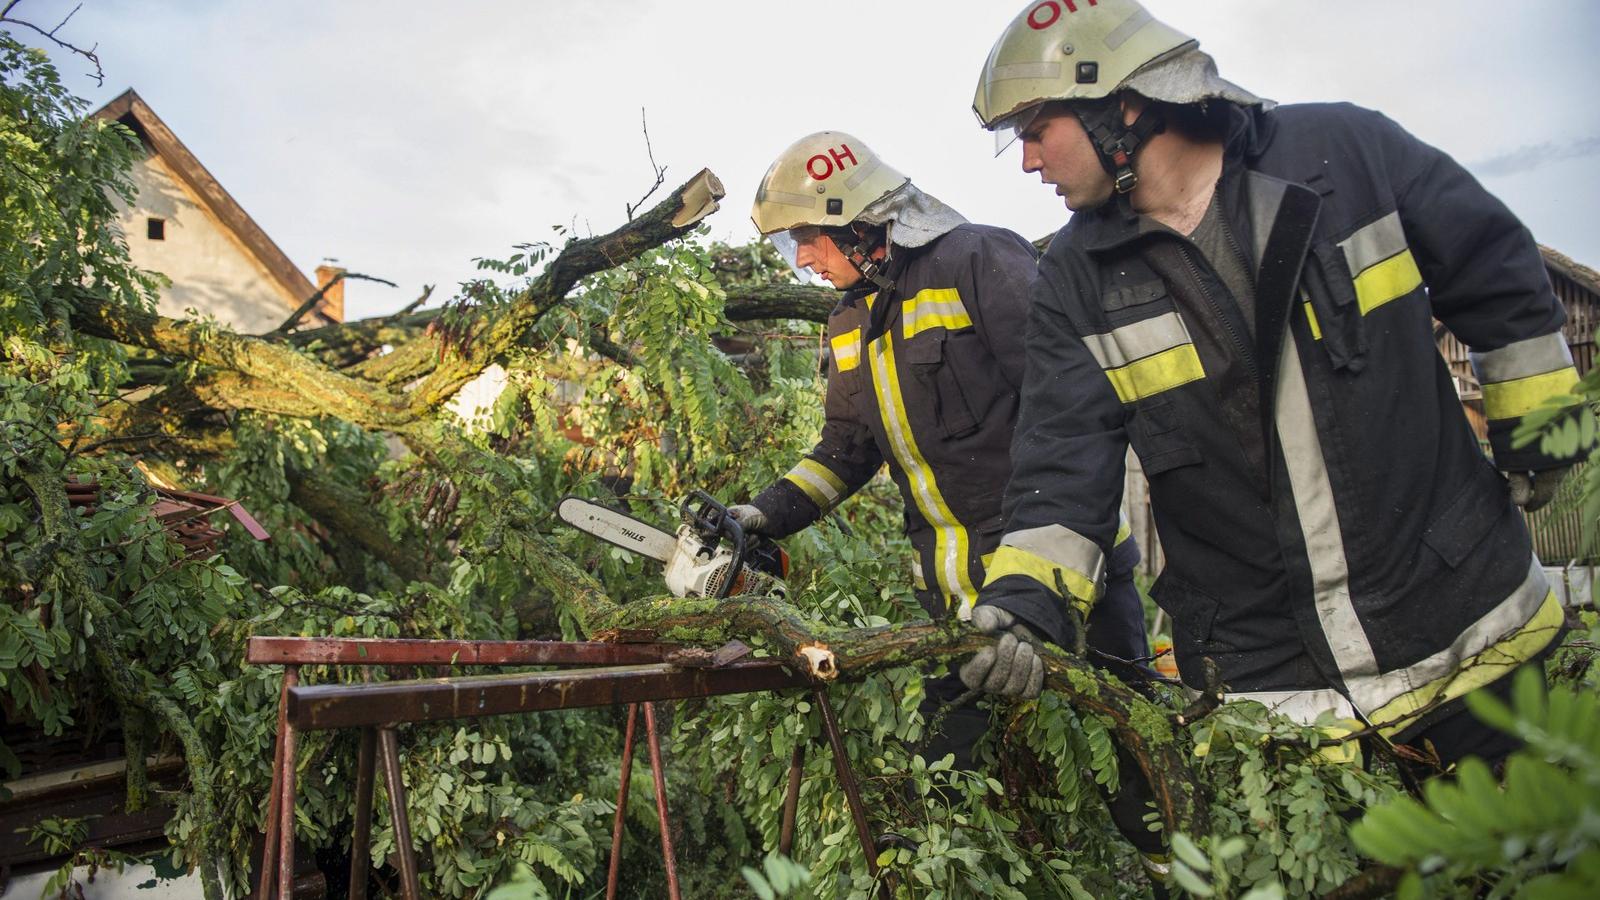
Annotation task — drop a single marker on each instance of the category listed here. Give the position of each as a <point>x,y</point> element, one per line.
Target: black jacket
<point>927,380</point>
<point>1335,537</point>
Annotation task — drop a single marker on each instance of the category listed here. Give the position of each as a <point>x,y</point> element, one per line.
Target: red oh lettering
<point>1049,6</point>
<point>839,157</point>
<point>822,167</point>
<point>827,167</point>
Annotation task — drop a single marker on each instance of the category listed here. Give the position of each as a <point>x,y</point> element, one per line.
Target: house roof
<point>131,110</point>
<point>1585,277</point>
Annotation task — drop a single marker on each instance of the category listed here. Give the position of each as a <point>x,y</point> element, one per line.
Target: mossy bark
<point>829,652</point>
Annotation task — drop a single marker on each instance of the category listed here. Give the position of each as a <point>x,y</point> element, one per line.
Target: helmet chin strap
<point>1114,141</point>
<point>859,254</point>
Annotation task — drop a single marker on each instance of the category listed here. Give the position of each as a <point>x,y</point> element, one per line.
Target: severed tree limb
<point>779,301</point>
<point>828,653</point>
<point>275,377</point>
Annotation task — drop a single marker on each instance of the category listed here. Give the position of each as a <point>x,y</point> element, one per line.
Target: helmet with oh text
<point>832,183</point>
<point>1083,53</point>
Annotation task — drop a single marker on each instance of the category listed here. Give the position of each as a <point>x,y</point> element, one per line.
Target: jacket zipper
<point>1239,345</point>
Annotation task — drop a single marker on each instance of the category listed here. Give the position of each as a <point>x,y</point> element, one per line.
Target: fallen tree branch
<point>273,376</point>
<point>779,301</point>
<point>827,653</point>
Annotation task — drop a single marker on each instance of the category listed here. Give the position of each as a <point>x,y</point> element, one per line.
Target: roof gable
<point>131,110</point>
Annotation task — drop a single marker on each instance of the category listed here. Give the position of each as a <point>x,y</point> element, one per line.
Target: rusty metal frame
<point>635,674</point>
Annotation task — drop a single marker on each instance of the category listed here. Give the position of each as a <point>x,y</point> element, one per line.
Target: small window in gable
<point>155,229</point>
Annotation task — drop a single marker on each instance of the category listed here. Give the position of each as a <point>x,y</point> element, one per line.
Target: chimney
<point>332,304</point>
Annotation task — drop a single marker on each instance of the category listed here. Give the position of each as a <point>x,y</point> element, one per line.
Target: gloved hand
<point>1010,668</point>
<point>1531,490</point>
<point>752,520</point>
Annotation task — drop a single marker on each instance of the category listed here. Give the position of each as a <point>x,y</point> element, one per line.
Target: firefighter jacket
<point>1335,537</point>
<point>926,378</point>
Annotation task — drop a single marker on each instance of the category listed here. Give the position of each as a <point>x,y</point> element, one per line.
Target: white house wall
<point>209,269</point>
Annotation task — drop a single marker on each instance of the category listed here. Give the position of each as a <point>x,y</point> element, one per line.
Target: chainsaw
<point>710,556</point>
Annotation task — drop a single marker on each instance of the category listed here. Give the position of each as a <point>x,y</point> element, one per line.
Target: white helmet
<point>822,180</point>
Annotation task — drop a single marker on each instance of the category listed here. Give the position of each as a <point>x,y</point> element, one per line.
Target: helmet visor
<point>1010,128</point>
<point>788,244</point>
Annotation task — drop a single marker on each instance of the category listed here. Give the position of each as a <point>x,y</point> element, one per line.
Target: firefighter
<point>1256,287</point>
<point>924,365</point>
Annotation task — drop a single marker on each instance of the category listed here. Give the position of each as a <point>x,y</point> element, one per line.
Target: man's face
<point>1055,145</point>
<point>817,251</point>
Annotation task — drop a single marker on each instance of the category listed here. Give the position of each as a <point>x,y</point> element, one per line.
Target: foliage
<point>1537,835</point>
<point>635,390</point>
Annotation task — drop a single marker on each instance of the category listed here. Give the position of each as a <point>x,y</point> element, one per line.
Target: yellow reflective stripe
<point>818,482</point>
<point>1123,530</point>
<point>1485,667</point>
<point>1341,753</point>
<point>1311,319</point>
<point>1391,279</point>
<point>1515,399</point>
<point>1154,374</point>
<point>950,538</point>
<point>1010,560</point>
<point>846,349</point>
<point>933,308</point>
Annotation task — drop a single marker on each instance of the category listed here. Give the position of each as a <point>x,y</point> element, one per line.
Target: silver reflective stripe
<point>918,315</point>
<point>1374,243</point>
<point>804,201</point>
<point>1496,625</point>
<point>1319,520</point>
<point>917,580</point>
<point>820,485</point>
<point>861,174</point>
<point>1045,70</point>
<point>1534,356</point>
<point>1129,26</point>
<point>1303,707</point>
<point>1121,346</point>
<point>1062,546</point>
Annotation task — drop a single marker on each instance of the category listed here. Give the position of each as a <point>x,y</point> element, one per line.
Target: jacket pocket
<point>1160,439</point>
<point>937,374</point>
<point>1466,518</point>
<point>1194,614</point>
<point>1331,286</point>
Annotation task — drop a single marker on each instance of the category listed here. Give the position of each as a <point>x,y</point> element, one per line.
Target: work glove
<point>752,520</point>
<point>1010,668</point>
<point>1531,490</point>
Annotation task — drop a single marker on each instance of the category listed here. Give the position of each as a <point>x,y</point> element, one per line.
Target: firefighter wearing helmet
<point>1247,294</point>
<point>924,364</point>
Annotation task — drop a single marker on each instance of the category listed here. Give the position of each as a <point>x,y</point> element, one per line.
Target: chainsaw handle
<point>712,521</point>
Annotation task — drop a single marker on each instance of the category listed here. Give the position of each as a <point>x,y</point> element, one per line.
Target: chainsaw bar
<point>616,528</point>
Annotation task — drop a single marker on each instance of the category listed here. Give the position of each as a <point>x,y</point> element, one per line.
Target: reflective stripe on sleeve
<point>1154,374</point>
<point>950,536</point>
<point>933,308</point>
<point>846,349</point>
<point>1304,707</point>
<point>818,482</point>
<point>1518,377</point>
<point>1044,553</point>
<point>1515,399</point>
<point>1381,263</point>
<point>1506,637</point>
<point>917,579</point>
<point>1146,357</point>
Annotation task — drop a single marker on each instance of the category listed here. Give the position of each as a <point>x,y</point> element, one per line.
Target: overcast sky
<point>403,139</point>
